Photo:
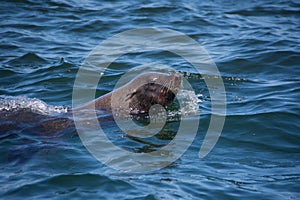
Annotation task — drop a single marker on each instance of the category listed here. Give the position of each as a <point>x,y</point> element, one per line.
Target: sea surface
<point>254,44</point>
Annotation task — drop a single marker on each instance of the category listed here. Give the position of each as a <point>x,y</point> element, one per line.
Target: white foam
<point>11,103</point>
<point>189,104</point>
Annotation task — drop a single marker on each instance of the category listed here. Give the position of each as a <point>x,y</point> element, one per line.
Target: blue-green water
<point>256,47</point>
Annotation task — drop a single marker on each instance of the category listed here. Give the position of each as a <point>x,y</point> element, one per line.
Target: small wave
<point>10,103</point>
<point>26,64</point>
<point>28,58</point>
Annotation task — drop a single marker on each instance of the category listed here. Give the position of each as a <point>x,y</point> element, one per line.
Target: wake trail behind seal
<point>11,103</point>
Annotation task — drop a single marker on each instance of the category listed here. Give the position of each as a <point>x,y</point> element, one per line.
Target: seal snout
<point>177,76</point>
<point>176,82</point>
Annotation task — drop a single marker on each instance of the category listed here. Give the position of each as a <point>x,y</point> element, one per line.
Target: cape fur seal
<point>135,98</point>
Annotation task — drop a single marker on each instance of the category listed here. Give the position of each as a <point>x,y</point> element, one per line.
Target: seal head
<point>138,95</point>
<point>153,93</point>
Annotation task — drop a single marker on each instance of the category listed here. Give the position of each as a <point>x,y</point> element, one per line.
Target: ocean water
<point>254,44</point>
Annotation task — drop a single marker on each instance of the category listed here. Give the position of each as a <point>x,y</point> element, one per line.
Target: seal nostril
<point>177,76</point>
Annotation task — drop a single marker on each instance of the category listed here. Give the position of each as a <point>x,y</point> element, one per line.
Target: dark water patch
<point>9,47</point>
<point>77,185</point>
<point>269,10</point>
<point>264,132</point>
<point>90,26</point>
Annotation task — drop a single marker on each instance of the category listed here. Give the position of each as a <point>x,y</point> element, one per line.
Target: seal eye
<point>129,96</point>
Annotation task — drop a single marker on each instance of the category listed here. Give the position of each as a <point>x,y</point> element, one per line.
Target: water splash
<point>189,105</point>
<point>190,102</point>
<point>11,103</point>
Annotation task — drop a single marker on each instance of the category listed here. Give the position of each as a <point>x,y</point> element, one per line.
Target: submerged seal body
<point>138,95</point>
